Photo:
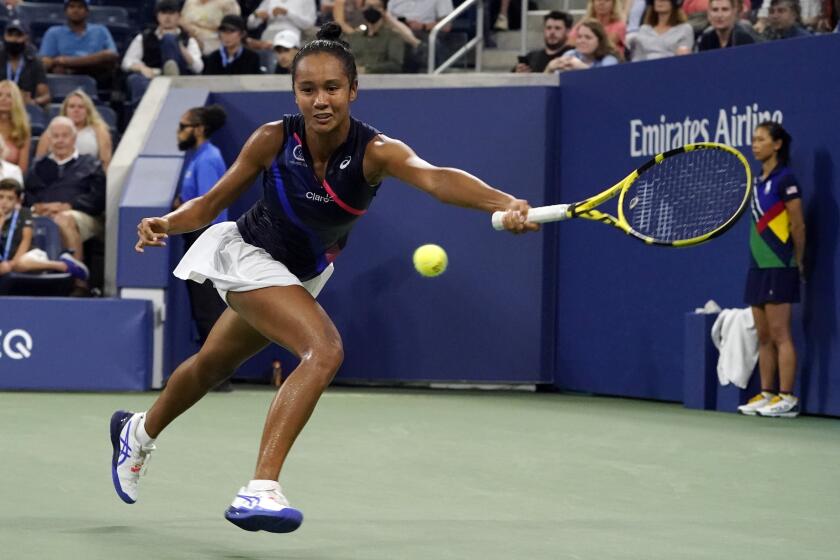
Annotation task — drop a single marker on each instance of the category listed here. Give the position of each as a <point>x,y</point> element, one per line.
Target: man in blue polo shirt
<point>80,47</point>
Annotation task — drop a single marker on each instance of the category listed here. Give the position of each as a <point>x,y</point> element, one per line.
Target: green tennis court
<point>417,474</point>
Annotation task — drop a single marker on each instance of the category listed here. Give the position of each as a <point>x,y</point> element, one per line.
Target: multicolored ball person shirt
<point>771,244</point>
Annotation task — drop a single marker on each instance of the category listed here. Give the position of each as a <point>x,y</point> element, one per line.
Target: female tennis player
<point>777,247</point>
<point>321,169</point>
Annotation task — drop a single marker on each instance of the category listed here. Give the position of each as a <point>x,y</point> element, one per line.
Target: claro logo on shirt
<point>17,344</point>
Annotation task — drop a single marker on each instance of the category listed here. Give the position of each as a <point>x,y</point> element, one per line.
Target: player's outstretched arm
<point>386,157</point>
<point>194,214</point>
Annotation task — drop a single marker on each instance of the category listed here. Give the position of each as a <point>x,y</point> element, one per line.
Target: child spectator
<point>286,46</point>
<point>93,137</point>
<point>14,125</point>
<point>594,49</point>
<point>22,64</point>
<point>202,18</point>
<point>233,57</point>
<point>664,32</point>
<point>16,252</point>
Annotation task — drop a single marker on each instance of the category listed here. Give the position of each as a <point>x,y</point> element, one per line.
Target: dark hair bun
<point>330,31</point>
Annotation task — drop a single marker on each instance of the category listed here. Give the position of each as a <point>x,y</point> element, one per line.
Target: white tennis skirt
<point>232,265</point>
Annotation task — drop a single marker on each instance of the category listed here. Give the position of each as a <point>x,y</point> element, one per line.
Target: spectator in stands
<point>14,125</point>
<point>377,49</point>
<point>233,57</point>
<point>421,15</point>
<point>16,252</point>
<point>202,18</point>
<point>697,12</point>
<point>784,21</point>
<point>635,15</point>
<point>69,188</point>
<point>279,15</point>
<point>813,14</point>
<point>165,49</point>
<point>556,26</point>
<point>593,50</point>
<point>609,13</point>
<point>286,46</point>
<point>20,59</point>
<point>80,47</point>
<point>204,168</point>
<point>777,247</point>
<point>9,170</point>
<point>11,10</point>
<point>724,29</point>
<point>93,137</point>
<point>664,32</point>
<point>348,14</point>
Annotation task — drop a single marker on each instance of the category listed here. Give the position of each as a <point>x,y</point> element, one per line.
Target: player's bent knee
<point>326,358</point>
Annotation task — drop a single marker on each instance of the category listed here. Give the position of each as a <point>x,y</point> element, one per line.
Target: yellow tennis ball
<point>430,260</point>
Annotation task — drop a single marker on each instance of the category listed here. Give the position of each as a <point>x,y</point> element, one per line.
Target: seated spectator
<point>69,188</point>
<point>664,32</point>
<point>607,12</point>
<point>810,15</point>
<point>20,59</point>
<point>377,49</point>
<point>556,26</point>
<point>286,46</point>
<point>593,50</point>
<point>724,30</point>
<point>279,15</point>
<point>348,14</point>
<point>80,47</point>
<point>9,170</point>
<point>697,13</point>
<point>202,18</point>
<point>783,21</point>
<point>167,46</point>
<point>421,15</point>
<point>14,125</point>
<point>16,252</point>
<point>233,57</point>
<point>93,137</point>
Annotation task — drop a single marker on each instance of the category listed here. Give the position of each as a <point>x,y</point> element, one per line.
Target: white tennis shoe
<point>758,401</point>
<point>263,510</point>
<point>781,407</point>
<point>129,460</point>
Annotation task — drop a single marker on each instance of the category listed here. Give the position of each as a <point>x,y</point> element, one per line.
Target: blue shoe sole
<point>118,420</point>
<point>274,522</point>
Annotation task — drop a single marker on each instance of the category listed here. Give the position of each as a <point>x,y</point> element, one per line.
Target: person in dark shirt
<point>68,187</point>
<point>286,46</point>
<point>20,59</point>
<point>724,29</point>
<point>556,26</point>
<point>784,21</point>
<point>233,57</point>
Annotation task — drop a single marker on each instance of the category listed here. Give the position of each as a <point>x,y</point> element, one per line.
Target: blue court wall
<point>621,304</point>
<point>485,318</point>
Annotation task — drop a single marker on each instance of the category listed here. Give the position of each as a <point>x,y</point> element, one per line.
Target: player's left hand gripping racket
<point>682,197</point>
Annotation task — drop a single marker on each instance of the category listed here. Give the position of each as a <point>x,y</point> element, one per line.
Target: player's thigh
<point>778,320</point>
<point>289,316</point>
<point>231,341</point>
<point>762,327</point>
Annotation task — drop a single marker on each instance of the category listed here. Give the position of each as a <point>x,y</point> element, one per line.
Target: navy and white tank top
<point>304,222</point>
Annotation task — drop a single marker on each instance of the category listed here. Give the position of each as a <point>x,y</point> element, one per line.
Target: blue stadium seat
<point>45,236</point>
<point>61,85</point>
<point>108,15</point>
<point>53,110</point>
<point>37,119</point>
<point>108,115</point>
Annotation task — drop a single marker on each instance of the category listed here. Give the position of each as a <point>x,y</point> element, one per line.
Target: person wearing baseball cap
<point>286,45</point>
<point>232,57</point>
<point>22,65</point>
<point>80,47</point>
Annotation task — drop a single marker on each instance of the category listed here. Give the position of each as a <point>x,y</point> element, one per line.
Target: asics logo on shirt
<point>345,162</point>
<point>297,152</point>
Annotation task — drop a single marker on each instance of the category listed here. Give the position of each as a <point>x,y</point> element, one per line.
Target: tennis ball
<point>430,260</point>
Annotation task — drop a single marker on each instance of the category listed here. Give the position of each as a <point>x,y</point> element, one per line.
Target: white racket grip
<point>539,215</point>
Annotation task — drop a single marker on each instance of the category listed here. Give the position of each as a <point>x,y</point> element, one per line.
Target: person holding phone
<point>556,26</point>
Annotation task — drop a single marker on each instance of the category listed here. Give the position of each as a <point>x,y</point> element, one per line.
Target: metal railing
<point>476,42</point>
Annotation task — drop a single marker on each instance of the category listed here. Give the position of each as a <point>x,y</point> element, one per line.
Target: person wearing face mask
<point>279,15</point>
<point>378,50</point>
<point>22,64</point>
<point>204,167</point>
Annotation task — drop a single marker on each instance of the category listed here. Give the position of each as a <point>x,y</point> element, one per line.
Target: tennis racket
<point>682,197</point>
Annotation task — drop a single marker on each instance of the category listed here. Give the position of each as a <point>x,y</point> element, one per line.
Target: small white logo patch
<point>297,152</point>
<point>345,162</point>
<point>793,189</point>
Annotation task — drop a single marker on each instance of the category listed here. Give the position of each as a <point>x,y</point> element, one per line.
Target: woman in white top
<point>201,19</point>
<point>8,170</point>
<point>664,32</point>
<point>93,137</point>
<point>279,15</point>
